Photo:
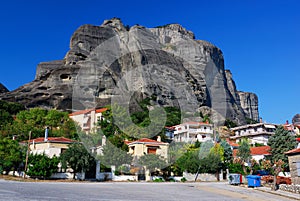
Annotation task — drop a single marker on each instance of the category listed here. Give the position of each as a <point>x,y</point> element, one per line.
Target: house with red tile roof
<point>148,146</point>
<point>193,131</point>
<point>50,146</point>
<point>294,164</point>
<point>87,119</point>
<point>257,153</point>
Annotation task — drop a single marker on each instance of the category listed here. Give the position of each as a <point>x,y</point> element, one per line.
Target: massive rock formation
<point>3,89</point>
<point>114,63</point>
<point>246,100</point>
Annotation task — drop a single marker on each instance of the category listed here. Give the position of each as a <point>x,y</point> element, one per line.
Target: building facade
<point>50,146</point>
<point>87,119</point>
<point>145,146</point>
<point>255,133</point>
<point>294,163</point>
<point>193,131</point>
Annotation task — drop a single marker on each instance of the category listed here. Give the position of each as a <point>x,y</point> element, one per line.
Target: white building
<point>255,133</point>
<point>51,146</point>
<point>87,119</point>
<point>193,131</point>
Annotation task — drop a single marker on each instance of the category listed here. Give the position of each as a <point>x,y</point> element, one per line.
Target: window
<point>151,150</point>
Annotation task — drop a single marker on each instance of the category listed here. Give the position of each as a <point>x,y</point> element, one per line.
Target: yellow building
<point>147,146</point>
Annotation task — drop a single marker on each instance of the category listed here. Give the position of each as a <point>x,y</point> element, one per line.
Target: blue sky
<point>260,39</point>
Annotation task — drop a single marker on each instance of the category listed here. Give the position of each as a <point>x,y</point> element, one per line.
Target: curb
<point>274,193</point>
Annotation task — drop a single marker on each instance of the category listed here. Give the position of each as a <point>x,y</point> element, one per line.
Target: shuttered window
<point>151,150</point>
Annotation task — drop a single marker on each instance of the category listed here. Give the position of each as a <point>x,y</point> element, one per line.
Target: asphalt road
<point>12,190</point>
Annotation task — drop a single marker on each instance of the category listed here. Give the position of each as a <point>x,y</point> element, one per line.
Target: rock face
<point>246,100</point>
<point>3,89</point>
<point>296,119</point>
<point>112,63</point>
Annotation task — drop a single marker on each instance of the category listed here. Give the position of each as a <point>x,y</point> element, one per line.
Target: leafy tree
<point>282,141</point>
<point>112,155</point>
<point>78,158</point>
<point>152,162</point>
<point>10,107</point>
<point>7,112</point>
<point>41,166</point>
<point>211,164</point>
<point>244,152</point>
<point>228,157</point>
<point>218,150</point>
<point>37,119</point>
<point>189,161</point>
<point>10,154</point>
<point>205,149</point>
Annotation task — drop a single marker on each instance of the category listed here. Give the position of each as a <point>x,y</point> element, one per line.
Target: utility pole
<point>27,153</point>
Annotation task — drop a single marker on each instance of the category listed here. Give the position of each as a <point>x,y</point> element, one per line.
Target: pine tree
<point>282,141</point>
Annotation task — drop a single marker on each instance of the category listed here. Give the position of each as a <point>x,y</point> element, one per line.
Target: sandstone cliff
<point>114,63</point>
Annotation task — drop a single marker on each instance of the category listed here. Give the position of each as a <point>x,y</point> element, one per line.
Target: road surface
<point>128,191</point>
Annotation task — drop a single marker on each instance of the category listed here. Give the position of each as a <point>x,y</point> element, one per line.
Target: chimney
<point>287,122</point>
<point>158,139</point>
<point>103,140</point>
<point>260,120</point>
<point>46,134</point>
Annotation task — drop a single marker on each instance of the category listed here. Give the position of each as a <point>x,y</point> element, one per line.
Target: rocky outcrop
<point>114,63</point>
<point>249,103</point>
<point>3,89</point>
<point>246,100</point>
<point>296,119</point>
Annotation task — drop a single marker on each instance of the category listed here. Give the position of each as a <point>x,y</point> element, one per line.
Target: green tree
<point>218,150</point>
<point>37,119</point>
<point>41,166</point>
<point>282,141</point>
<point>244,153</point>
<point>152,162</point>
<point>189,161</point>
<point>10,155</point>
<point>228,157</point>
<point>78,158</point>
<point>205,148</point>
<point>113,155</point>
<point>211,163</point>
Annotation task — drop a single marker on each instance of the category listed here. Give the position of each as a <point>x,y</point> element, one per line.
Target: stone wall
<point>290,188</point>
<point>201,177</point>
<point>293,168</point>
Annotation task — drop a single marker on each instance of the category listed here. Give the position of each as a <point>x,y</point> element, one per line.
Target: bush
<point>236,168</point>
<point>183,179</point>
<point>41,166</point>
<point>158,180</point>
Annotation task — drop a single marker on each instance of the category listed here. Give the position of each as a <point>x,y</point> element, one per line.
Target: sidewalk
<point>279,192</point>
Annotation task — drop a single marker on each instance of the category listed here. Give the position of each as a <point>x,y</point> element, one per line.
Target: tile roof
<point>52,139</point>
<point>147,141</point>
<point>101,110</point>
<point>233,144</point>
<point>88,111</point>
<point>263,150</point>
<point>293,151</point>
